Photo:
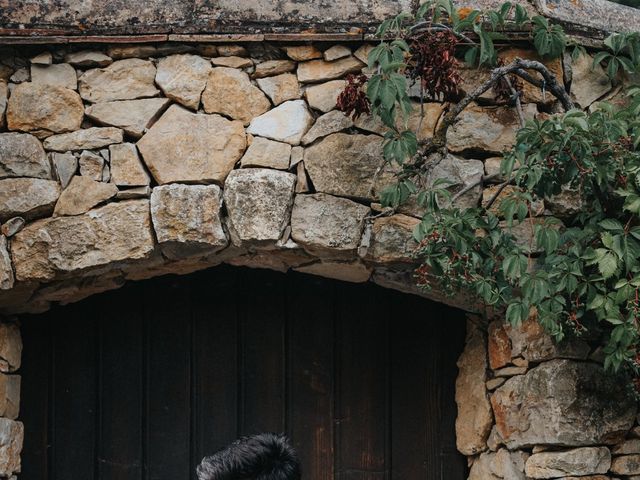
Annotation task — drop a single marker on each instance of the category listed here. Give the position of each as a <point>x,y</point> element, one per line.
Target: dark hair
<point>265,456</point>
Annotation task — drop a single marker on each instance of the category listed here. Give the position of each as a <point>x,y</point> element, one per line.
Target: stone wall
<point>125,162</point>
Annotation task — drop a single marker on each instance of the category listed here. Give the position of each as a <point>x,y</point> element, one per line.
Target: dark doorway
<point>142,382</point>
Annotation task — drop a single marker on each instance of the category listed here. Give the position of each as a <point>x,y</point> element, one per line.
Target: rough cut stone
<point>362,53</point>
<point>588,82</point>
<point>510,371</point>
<point>432,113</point>
<point>186,219</point>
<point>85,139</point>
<point>231,50</point>
<point>491,129</point>
<point>47,108</point>
<point>327,225</point>
<point>232,62</point>
<point>286,123</point>
<point>133,116</point>
<point>183,78</point>
<point>323,97</point>
<point>267,153</point>
<point>186,147</point>
<point>475,418</point>
<point>626,465</point>
<point>91,165</point>
<point>82,195</point>
<point>22,155</point>
<point>302,53</point>
<point>129,51</point>
<point>12,226</point>
<point>499,345</point>
<point>280,88</point>
<point>27,197</point>
<point>231,93</point>
<point>6,271</point>
<point>495,383</point>
<point>135,192</point>
<point>87,59</point>
<point>345,165</point>
<point>302,182</point>
<point>628,447</point>
<point>11,438</point>
<point>122,80</point>
<point>4,94</point>
<point>59,74</point>
<point>553,404</point>
<point>259,204</point>
<point>65,166</point>
<point>126,168</point>
<point>10,347</point>
<point>117,232</point>
<point>336,52</point>
<point>319,70</point>
<point>44,58</point>
<point>353,272</point>
<point>392,239</point>
<point>580,461</point>
<point>9,396</point>
<point>460,172</point>
<point>332,122</point>
<point>482,468</point>
<point>502,465</point>
<point>273,67</point>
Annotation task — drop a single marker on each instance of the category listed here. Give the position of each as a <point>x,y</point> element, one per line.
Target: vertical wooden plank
<point>214,297</point>
<point>310,357</point>
<point>34,401</point>
<point>263,376</point>
<point>168,332</point>
<point>362,403</point>
<point>121,329</point>
<point>75,393</point>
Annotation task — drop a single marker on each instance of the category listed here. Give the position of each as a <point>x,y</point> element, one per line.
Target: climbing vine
<point>581,274</point>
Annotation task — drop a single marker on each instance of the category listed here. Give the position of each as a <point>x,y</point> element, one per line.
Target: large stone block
<point>186,219</point>
<point>320,70</point>
<point>9,396</point>
<point>10,347</point>
<point>28,198</point>
<point>327,225</point>
<point>6,271</point>
<point>11,439</point>
<point>183,78</point>
<point>259,204</point>
<point>126,168</point>
<point>85,139</point>
<point>22,155</point>
<point>392,240</point>
<point>579,461</point>
<point>122,80</point>
<point>280,88</point>
<point>287,122</point>
<point>133,116</point>
<point>192,147</point>
<point>114,234</point>
<point>563,403</point>
<point>82,194</point>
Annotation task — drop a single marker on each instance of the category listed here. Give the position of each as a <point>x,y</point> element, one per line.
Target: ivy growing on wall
<point>580,275</point>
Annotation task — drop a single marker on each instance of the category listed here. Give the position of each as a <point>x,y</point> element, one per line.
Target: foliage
<point>580,275</point>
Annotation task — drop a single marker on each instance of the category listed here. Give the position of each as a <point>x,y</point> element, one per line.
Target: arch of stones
<point>121,162</point>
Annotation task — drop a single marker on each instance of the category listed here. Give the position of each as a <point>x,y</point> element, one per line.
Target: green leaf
<point>607,263</point>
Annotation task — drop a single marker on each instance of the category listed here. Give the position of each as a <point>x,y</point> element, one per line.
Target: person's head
<point>265,456</point>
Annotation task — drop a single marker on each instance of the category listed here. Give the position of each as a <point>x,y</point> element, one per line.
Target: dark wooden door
<point>141,383</point>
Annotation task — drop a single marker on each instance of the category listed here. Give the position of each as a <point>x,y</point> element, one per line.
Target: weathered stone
<point>327,225</point>
<point>392,239</point>
<point>495,383</point>
<point>565,204</point>
<point>11,438</point>
<point>280,88</point>
<point>332,122</point>
<point>302,182</point>
<point>285,123</point>
<point>297,155</point>
<point>267,153</point>
<point>58,74</point>
<point>27,197</point>
<point>10,347</point>
<point>280,261</point>
<point>22,155</point>
<point>510,371</point>
<point>353,272</point>
<point>186,147</point>
<point>20,75</point>
<point>4,95</point>
<point>323,97</point>
<point>135,192</point>
<point>126,168</point>
<point>133,116</point>
<point>231,50</point>
<point>231,93</point>
<point>186,219</point>
<point>119,52</point>
<point>580,461</point>
<point>424,127</point>
<point>12,226</point>
<point>82,195</point>
<point>319,70</point>
<point>259,204</point>
<point>104,236</point>
<point>273,67</point>
<point>232,62</point>
<point>87,59</point>
<point>628,447</point>
<point>336,52</point>
<point>183,78</point>
<point>475,418</point>
<point>6,271</point>
<point>626,465</point>
<point>34,107</point>
<point>362,53</point>
<point>345,165</point>
<point>85,139</point>
<point>482,468</point>
<point>65,166</point>
<point>44,58</point>
<point>491,129</point>
<point>492,168</point>
<point>9,396</point>
<point>122,80</point>
<point>554,404</point>
<point>589,82</point>
<point>499,345</point>
<point>531,342</point>
<point>91,165</point>
<point>302,53</point>
<point>460,173</point>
